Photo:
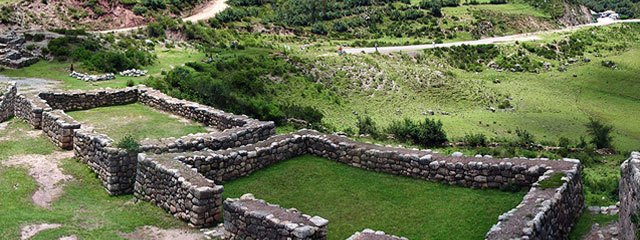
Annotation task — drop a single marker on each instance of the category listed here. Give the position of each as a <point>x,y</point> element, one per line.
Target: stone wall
<point>369,234</point>
<point>250,218</point>
<point>230,164</point>
<point>181,191</point>
<point>629,195</point>
<point>7,100</point>
<point>115,167</point>
<point>252,132</point>
<point>543,214</point>
<point>59,127</point>
<point>190,110</point>
<point>82,100</point>
<point>30,107</point>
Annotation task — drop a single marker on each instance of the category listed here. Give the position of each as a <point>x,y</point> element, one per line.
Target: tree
<point>600,133</point>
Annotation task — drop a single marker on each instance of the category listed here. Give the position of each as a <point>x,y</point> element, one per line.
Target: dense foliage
<point>627,8</point>
<point>96,57</point>
<point>425,133</point>
<point>229,84</point>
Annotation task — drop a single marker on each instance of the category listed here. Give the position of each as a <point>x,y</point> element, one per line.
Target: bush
<point>475,140</point>
<point>139,10</point>
<point>366,126</point>
<point>130,83</point>
<point>129,144</point>
<point>426,133</point>
<point>525,138</point>
<point>600,134</point>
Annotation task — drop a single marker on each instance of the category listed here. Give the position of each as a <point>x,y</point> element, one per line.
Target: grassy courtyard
<point>136,120</point>
<point>84,209</point>
<point>353,199</point>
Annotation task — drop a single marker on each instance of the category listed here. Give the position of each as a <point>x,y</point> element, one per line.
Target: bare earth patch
<point>45,170</point>
<point>31,230</point>
<point>154,233</point>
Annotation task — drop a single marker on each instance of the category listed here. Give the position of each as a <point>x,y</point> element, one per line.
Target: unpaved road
<point>205,12</point>
<point>31,84</point>
<point>494,40</point>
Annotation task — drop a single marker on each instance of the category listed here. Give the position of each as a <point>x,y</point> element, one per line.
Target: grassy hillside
<point>386,21</point>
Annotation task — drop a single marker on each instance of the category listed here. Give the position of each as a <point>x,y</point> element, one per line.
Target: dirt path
<point>494,40</point>
<point>207,11</point>
<point>154,233</point>
<point>47,173</point>
<point>32,84</point>
<point>31,230</point>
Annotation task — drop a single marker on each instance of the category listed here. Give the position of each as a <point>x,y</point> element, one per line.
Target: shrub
<point>139,10</point>
<point>475,140</point>
<point>367,126</point>
<point>525,138</point>
<point>130,83</point>
<point>600,134</point>
<point>426,133</point>
<point>564,142</point>
<point>129,144</point>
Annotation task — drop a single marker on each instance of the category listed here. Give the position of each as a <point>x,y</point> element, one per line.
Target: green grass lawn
<point>84,210</point>
<point>19,138</point>
<point>136,120</point>
<point>353,199</point>
<point>55,70</point>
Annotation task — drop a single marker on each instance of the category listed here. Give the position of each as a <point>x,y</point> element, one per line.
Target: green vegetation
<point>378,22</point>
<point>626,8</point>
<point>227,83</point>
<point>121,56</point>
<point>129,143</point>
<point>85,209</point>
<point>18,138</point>
<point>132,122</point>
<point>353,199</point>
<point>59,70</point>
<point>554,181</point>
<point>586,221</point>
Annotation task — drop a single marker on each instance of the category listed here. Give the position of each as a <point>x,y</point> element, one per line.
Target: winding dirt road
<point>205,12</point>
<point>494,40</point>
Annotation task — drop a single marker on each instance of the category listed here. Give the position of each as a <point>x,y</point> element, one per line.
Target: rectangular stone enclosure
<point>183,175</point>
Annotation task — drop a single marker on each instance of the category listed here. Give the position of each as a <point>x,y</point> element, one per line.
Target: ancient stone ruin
<point>185,175</point>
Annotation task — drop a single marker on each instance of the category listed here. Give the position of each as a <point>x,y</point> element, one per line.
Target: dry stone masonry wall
<point>115,167</point>
<point>250,218</point>
<point>543,214</point>
<point>183,175</point>
<point>7,100</point>
<point>82,100</point>
<point>30,108</point>
<point>176,188</point>
<point>59,127</point>
<point>629,195</point>
<point>369,234</point>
